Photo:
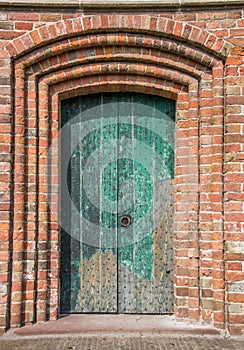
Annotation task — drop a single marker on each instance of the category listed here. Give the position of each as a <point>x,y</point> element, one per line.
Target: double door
<point>116,212</point>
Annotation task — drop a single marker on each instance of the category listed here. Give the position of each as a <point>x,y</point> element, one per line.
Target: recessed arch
<point>158,26</point>
<point>45,66</point>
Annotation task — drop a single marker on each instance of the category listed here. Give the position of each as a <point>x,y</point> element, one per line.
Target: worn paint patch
<point>98,291</point>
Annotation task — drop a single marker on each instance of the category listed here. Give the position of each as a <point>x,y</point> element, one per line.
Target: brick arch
<point>112,43</point>
<point>120,68</point>
<point>122,54</point>
<point>178,31</point>
<point>53,91</point>
<point>24,312</point>
<point>45,76</point>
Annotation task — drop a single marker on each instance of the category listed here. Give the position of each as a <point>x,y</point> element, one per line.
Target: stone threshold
<point>119,323</point>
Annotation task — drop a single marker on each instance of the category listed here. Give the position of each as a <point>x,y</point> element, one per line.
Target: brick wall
<point>194,57</point>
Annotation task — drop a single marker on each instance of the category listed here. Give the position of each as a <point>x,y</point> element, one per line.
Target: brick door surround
<point>112,53</point>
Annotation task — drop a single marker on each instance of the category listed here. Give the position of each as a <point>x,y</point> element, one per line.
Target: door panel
<point>121,164</point>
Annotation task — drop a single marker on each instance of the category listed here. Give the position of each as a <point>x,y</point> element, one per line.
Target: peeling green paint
<point>116,156</point>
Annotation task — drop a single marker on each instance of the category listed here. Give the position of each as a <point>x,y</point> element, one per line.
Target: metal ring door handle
<point>125,220</point>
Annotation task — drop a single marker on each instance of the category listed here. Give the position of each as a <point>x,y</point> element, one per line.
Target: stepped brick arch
<point>119,53</point>
<point>177,30</point>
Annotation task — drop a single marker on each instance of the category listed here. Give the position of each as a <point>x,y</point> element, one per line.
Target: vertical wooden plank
<point>89,298</point>
<point>125,204</point>
<point>83,244</point>
<point>74,189</point>
<point>144,194</point>
<point>98,253</point>
<point>109,189</point>
<point>163,209</point>
<point>65,267</point>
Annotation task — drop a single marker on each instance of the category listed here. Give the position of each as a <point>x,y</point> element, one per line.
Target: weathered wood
<point>124,165</point>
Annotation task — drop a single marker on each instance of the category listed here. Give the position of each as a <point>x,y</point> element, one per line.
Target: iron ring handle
<point>125,220</point>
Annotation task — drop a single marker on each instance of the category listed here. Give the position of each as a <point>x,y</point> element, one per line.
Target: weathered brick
<point>155,70</point>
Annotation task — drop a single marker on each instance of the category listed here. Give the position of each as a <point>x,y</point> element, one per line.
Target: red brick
<point>209,126</point>
<point>236,32</point>
<point>231,71</point>
<point>234,266</point>
<point>236,298</point>
<point>24,16</point>
<point>35,37</point>
<point>235,276</point>
<point>8,35</point>
<point>234,60</point>
<point>23,25</point>
<point>236,319</point>
<point>50,17</point>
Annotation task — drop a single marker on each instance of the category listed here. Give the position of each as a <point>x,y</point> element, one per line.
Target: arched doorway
<point>117,170</point>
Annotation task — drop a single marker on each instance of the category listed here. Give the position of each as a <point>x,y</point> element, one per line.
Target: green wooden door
<point>117,170</point>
